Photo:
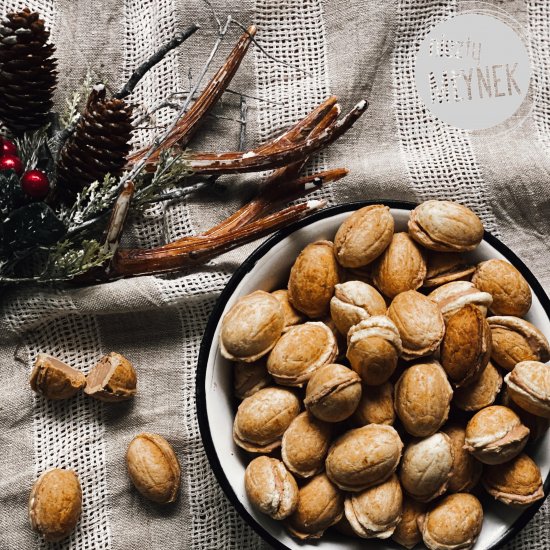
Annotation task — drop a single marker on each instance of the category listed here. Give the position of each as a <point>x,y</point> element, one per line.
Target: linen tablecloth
<point>351,48</point>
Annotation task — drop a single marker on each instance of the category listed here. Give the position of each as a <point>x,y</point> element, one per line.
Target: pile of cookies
<point>372,391</point>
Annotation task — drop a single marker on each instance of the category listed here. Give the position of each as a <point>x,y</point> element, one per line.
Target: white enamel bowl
<point>268,269</point>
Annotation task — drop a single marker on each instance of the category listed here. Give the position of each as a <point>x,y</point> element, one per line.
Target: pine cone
<point>99,145</point>
<point>27,71</point>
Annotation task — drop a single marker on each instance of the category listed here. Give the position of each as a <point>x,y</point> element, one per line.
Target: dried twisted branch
<point>177,40</point>
<point>255,219</point>
<point>189,123</point>
<point>286,154</point>
<point>130,263</point>
<point>273,154</point>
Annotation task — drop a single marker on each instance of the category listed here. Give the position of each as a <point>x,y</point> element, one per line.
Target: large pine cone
<point>99,145</point>
<point>27,71</point>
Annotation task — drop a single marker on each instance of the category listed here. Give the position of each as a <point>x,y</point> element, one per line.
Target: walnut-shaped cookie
<point>495,435</point>
<point>313,278</point>
<point>364,236</point>
<point>354,301</point>
<point>538,426</point>
<point>375,512</point>
<point>453,296</point>
<point>270,487</point>
<point>453,523</point>
<point>419,322</point>
<point>516,340</point>
<point>374,346</point>
<point>291,314</point>
<point>364,457</point>
<point>510,291</point>
<point>481,392</point>
<point>445,226</point>
<point>427,467</point>
<point>422,398</point>
<point>263,418</point>
<point>517,483</point>
<point>407,533</point>
<point>320,505</point>
<point>446,267</point>
<point>248,378</point>
<point>466,346</point>
<point>300,352</point>
<point>333,393</point>
<point>375,406</point>
<point>466,470</point>
<point>401,267</point>
<point>529,387</point>
<point>305,445</point>
<point>251,327</point>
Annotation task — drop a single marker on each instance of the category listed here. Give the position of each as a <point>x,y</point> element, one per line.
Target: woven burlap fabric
<point>355,49</point>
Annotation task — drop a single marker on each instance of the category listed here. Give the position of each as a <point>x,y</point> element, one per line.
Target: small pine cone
<point>27,72</point>
<point>99,145</point>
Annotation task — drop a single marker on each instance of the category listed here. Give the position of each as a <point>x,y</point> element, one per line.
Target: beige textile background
<point>352,48</point>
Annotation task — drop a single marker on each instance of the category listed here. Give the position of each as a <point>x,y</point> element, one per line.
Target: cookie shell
<point>364,457</point>
<point>302,350</point>
<point>495,435</point>
<point>510,291</point>
<point>313,278</point>
<point>419,322</point>
<point>270,487</point>
<point>445,226</point>
<point>364,236</point>
<point>375,512</point>
<point>251,327</point>
<point>262,419</point>
<point>422,398</point>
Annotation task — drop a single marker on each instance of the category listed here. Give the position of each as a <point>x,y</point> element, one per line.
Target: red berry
<point>7,147</point>
<point>11,162</point>
<point>35,184</point>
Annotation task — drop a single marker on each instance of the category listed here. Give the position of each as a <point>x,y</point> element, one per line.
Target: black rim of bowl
<point>214,319</point>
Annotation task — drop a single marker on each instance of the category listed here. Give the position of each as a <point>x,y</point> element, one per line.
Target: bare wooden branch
<point>275,154</point>
<point>272,57</point>
<point>244,114</point>
<point>133,262</point>
<point>118,219</point>
<point>160,140</point>
<point>178,39</point>
<point>189,122</point>
<point>283,185</point>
